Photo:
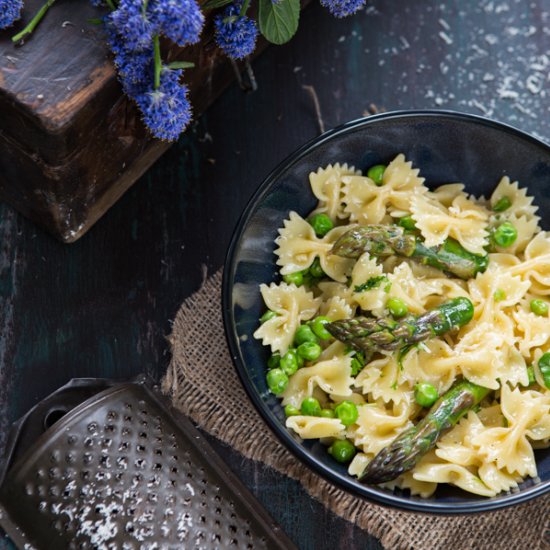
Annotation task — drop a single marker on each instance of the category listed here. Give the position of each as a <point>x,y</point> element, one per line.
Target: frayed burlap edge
<point>205,386</point>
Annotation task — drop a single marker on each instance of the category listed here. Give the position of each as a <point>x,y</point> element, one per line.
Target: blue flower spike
<point>343,8</point>
<point>236,34</point>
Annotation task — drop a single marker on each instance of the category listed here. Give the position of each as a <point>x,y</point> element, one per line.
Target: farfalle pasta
<point>397,298</point>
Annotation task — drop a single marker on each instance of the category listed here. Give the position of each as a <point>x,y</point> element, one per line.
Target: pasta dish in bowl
<point>401,297</point>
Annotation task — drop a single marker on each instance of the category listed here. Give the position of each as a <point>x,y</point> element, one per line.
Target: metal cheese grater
<point>103,465</point>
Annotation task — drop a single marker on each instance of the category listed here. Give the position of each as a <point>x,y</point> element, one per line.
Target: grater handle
<point>44,414</point>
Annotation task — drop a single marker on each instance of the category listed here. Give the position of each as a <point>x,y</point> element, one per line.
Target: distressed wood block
<point>70,142</point>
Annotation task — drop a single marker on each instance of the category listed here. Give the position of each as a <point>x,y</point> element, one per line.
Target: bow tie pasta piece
<point>497,480</point>
<point>328,186</point>
<point>401,176</point>
<point>464,221</point>
<point>336,308</point>
<point>434,362</point>
<point>381,378</point>
<point>333,376</point>
<point>432,469</point>
<point>298,246</point>
<point>477,355</point>
<point>368,284</point>
<point>366,203</point>
<point>314,427</point>
<point>533,330</point>
<point>292,305</point>
<point>496,289</point>
<point>536,265</point>
<point>456,445</point>
<point>508,447</point>
<point>378,425</point>
<point>520,203</point>
<point>446,194</point>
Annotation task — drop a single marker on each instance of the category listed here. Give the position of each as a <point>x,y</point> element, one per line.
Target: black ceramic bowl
<point>447,147</point>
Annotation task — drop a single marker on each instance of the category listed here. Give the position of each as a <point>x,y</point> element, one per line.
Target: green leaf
<point>213,4</point>
<point>279,21</point>
<point>180,65</point>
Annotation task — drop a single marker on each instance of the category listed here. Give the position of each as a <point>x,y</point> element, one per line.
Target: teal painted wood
<point>102,306</point>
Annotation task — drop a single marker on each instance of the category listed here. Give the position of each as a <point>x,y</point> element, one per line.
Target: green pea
<point>327,413</point>
<point>296,278</point>
<point>407,223</point>
<point>277,381</point>
<point>502,204</point>
<point>321,224</point>
<point>499,295</point>
<point>318,327</point>
<point>269,314</point>
<point>305,334</point>
<point>289,362</point>
<point>346,412</point>
<point>310,407</point>
<point>309,351</point>
<point>376,173</point>
<point>531,375</point>
<point>316,270</point>
<point>539,307</point>
<point>544,367</point>
<point>505,235</point>
<point>425,394</point>
<point>342,450</point>
<point>274,361</point>
<point>397,307</point>
<point>291,410</point>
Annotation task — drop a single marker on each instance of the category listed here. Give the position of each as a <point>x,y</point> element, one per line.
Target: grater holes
<point>139,463</point>
<point>142,435</point>
<point>140,448</point>
<point>157,466</point>
<point>122,462</point>
<point>123,446</point>
<point>109,428</point>
<point>127,418</point>
<point>126,432</point>
<point>88,442</point>
<point>111,416</point>
<point>128,406</point>
<point>92,428</point>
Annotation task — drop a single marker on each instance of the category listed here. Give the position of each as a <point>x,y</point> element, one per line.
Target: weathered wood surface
<point>102,307</point>
<point>70,143</point>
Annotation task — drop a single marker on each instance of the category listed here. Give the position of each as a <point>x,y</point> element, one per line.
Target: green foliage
<point>278,21</point>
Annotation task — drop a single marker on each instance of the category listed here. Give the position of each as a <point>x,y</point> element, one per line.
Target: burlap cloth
<point>224,410</point>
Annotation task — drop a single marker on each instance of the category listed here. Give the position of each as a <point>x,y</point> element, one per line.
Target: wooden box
<point>70,142</point>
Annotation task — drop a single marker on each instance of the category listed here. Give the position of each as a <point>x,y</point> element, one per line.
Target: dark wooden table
<point>103,306</point>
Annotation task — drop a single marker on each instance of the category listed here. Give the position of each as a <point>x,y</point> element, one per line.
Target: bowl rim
<point>345,481</point>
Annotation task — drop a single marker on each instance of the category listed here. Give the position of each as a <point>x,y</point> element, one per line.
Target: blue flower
<point>97,3</point>
<point>166,111</point>
<point>342,8</point>
<point>10,12</point>
<point>180,20</point>
<point>135,25</point>
<point>235,34</point>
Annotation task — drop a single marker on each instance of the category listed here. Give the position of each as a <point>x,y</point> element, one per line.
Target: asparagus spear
<point>406,450</point>
<point>368,335</point>
<point>388,240</point>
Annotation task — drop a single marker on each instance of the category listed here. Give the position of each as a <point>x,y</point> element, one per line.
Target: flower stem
<point>244,7</point>
<point>158,61</point>
<point>111,5</point>
<point>34,22</point>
